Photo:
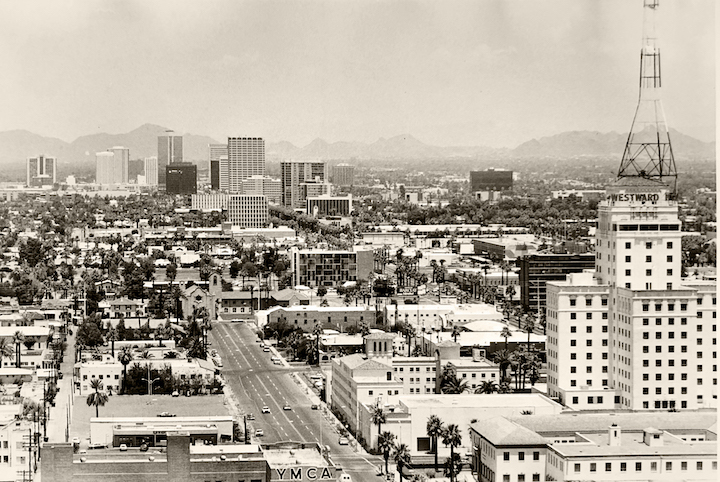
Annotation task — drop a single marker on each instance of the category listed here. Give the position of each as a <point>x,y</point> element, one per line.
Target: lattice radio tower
<point>648,152</point>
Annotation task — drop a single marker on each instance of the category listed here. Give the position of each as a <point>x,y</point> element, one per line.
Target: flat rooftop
<point>571,422</point>
<point>514,400</point>
<point>294,457</point>
<point>144,406</point>
<point>632,444</point>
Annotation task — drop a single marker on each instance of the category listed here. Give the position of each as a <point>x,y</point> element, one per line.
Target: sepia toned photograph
<point>358,241</point>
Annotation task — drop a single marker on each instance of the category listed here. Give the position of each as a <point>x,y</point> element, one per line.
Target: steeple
<point>648,152</point>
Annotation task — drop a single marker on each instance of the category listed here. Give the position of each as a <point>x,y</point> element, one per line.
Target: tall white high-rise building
<point>245,158</point>
<point>634,335</point>
<point>151,171</point>
<point>112,166</point>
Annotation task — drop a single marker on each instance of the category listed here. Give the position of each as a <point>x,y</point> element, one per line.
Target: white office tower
<point>245,158</point>
<point>263,186</point>
<point>151,171</point>
<point>247,211</point>
<point>633,335</point>
<point>112,166</point>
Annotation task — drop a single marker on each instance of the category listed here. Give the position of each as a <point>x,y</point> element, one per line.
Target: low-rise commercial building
<point>601,447</point>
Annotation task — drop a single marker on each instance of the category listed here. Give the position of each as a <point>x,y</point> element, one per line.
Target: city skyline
<point>487,73</point>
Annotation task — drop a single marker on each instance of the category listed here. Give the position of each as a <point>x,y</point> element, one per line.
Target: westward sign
<point>637,197</point>
<point>304,473</point>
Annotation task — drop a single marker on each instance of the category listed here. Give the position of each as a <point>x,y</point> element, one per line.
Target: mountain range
<point>17,145</point>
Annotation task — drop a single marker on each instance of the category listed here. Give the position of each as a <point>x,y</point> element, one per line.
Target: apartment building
<point>321,267</point>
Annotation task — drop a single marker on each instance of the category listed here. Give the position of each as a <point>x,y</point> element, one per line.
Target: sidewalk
<point>60,416</point>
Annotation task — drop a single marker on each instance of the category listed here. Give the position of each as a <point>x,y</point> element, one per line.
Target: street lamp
<point>149,381</point>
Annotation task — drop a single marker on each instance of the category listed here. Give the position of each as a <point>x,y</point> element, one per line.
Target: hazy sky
<point>477,72</point>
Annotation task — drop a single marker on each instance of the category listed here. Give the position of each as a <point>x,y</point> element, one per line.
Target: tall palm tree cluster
<point>449,435</point>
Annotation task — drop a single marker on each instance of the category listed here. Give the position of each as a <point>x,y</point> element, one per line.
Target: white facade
<point>263,186</point>
<point>569,447</point>
<point>247,211</point>
<point>112,166</point>
<point>151,171</point>
<point>246,157</point>
<point>633,336</point>
<point>209,202</point>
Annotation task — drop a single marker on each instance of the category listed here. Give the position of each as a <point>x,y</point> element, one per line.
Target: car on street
<point>265,409</point>
<point>259,433</point>
<point>343,441</point>
<point>314,407</point>
<point>166,414</point>
<point>76,440</point>
<point>287,406</point>
<point>175,393</point>
<point>266,349</point>
<point>123,448</point>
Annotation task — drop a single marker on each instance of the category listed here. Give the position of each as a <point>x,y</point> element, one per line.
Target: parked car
<point>343,441</point>
<point>123,448</point>
<point>166,414</point>
<point>175,393</point>
<point>250,416</point>
<point>266,349</point>
<point>259,432</point>
<point>314,407</point>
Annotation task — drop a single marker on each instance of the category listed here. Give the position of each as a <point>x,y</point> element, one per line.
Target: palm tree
<point>434,429</point>
<point>506,333</point>
<point>453,385</point>
<point>6,350</point>
<point>112,336</point>
<point>502,358</point>
<point>401,456</point>
<point>97,398</point>
<point>378,417</point>
<point>453,438</point>
<point>386,443</point>
<point>163,332</point>
<point>487,387</point>
<point>125,357</point>
<point>456,332</point>
<point>317,331</point>
<point>18,339</point>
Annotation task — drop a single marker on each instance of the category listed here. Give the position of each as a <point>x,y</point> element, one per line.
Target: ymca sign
<point>304,473</point>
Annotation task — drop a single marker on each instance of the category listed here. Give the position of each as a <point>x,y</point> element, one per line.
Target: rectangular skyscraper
<point>151,171</point>
<point>181,178</point>
<point>294,174</point>
<point>216,153</point>
<point>343,175</point>
<point>41,171</point>
<point>112,166</point>
<point>170,151</point>
<point>246,157</point>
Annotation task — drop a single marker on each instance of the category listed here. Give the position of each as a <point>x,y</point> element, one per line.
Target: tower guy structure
<point>648,152</point>
<point>635,334</point>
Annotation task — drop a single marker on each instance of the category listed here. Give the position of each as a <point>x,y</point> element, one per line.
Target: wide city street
<point>257,382</point>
